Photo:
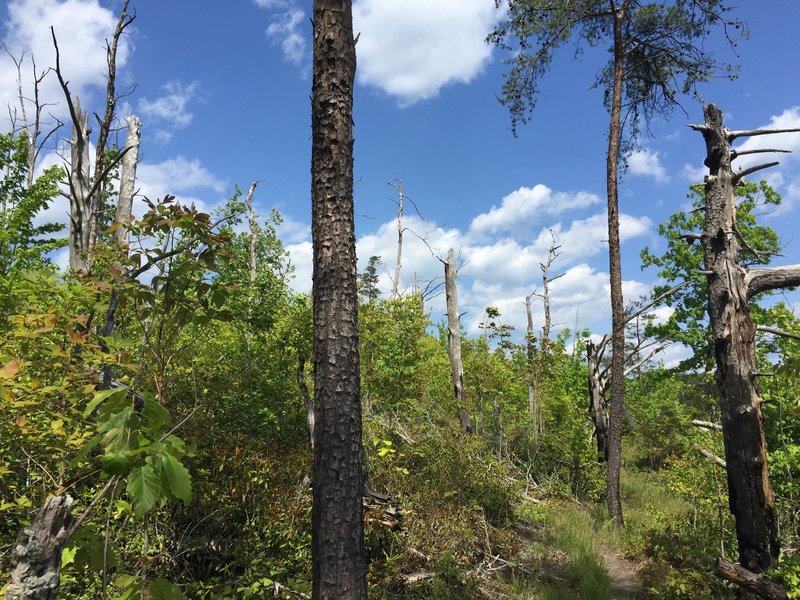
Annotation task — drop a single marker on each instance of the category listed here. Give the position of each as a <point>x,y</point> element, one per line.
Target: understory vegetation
<point>192,472</point>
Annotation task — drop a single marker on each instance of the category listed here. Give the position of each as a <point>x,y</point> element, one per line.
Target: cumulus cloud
<point>171,107</point>
<point>495,268</point>
<point>410,49</point>
<point>647,163</point>
<point>181,177</point>
<point>81,26</point>
<point>525,207</point>
<point>286,31</point>
<point>587,237</point>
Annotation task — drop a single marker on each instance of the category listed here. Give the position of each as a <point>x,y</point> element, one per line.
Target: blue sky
<point>223,93</point>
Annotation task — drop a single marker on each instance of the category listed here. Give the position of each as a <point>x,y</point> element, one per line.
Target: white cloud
<point>523,208</point>
<point>186,179</point>
<point>286,31</point>
<point>410,49</point>
<point>300,257</point>
<point>496,270</point>
<point>587,237</point>
<point>694,173</point>
<point>271,3</point>
<point>81,27</point>
<point>647,163</point>
<point>171,107</point>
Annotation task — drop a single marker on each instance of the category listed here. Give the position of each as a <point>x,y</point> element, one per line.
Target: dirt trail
<point>624,574</point>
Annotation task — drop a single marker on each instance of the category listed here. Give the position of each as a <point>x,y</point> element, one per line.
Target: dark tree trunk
<point>339,569</point>
<point>613,497</point>
<point>733,333</point>
<point>36,556</point>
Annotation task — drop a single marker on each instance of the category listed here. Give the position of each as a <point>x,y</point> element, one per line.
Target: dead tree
<point>598,381</point>
<point>598,408</point>
<point>552,254</point>
<point>397,184</point>
<point>127,179</point>
<point>251,216</point>
<point>454,339</point>
<point>730,287</point>
<point>84,186</point>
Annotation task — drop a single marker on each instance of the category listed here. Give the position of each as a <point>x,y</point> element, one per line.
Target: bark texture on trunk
<point>597,402</point>
<point>127,178</point>
<point>733,333</point>
<point>339,568</point>
<point>36,555</point>
<point>613,497</point>
<point>80,201</point>
<point>454,339</point>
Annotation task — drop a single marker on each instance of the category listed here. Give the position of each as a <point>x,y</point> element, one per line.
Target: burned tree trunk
<point>127,179</point>
<point>733,333</point>
<point>597,402</point>
<point>36,555</point>
<point>337,546</point>
<point>454,339</point>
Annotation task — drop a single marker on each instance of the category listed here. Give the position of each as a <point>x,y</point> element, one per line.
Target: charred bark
<point>597,402</point>
<point>733,334</point>
<point>338,560</point>
<point>36,555</point>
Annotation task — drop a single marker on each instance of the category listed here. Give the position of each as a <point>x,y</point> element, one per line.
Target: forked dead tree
<point>85,186</point>
<point>552,254</point>
<point>730,287</point>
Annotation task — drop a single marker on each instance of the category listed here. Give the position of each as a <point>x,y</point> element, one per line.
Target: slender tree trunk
<point>398,263</point>
<point>534,410</point>
<point>613,497</point>
<point>338,560</point>
<point>253,231</point>
<point>127,179</point>
<point>454,340</point>
<point>733,332</point>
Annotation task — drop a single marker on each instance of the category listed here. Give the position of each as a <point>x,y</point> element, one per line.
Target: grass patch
<point>566,558</point>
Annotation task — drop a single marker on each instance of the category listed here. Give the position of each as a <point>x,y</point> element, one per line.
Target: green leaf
<point>155,414</point>
<point>178,478</point>
<point>161,589</point>
<point>100,396</point>
<point>144,488</point>
<point>117,462</point>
